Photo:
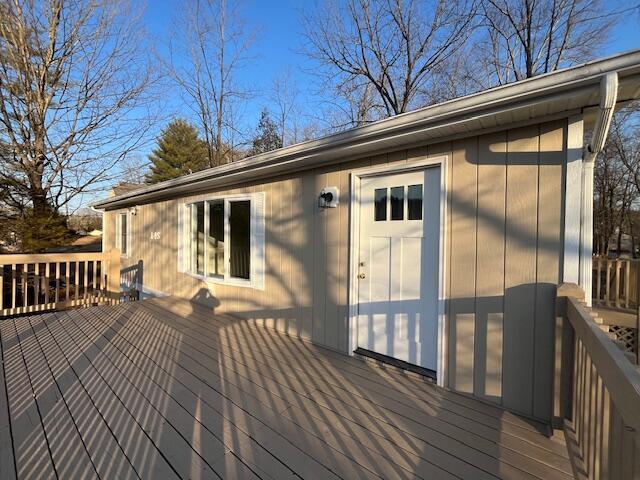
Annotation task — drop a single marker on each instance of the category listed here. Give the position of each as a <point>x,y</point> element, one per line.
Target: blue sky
<point>275,51</point>
<point>278,44</point>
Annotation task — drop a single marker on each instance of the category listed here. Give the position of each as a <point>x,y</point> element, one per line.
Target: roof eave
<point>583,80</point>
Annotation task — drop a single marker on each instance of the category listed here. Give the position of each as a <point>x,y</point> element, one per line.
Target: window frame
<point>187,245</point>
<point>124,253</point>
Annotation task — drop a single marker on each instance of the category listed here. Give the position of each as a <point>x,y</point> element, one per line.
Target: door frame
<point>354,245</point>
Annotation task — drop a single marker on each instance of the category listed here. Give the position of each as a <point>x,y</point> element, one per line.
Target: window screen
<point>215,239</point>
<point>240,239</point>
<point>123,233</point>
<point>198,238</point>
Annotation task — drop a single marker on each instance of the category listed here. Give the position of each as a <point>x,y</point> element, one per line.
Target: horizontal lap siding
<point>503,248</point>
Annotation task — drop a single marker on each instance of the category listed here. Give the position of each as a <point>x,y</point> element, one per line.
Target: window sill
<point>235,282</point>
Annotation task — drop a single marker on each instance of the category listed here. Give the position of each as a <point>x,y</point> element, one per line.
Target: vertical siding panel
<point>492,173</point>
<point>285,322</point>
<point>319,262</point>
<point>264,311</point>
<point>146,245</point>
<point>343,280</point>
<point>291,320</point>
<point>380,159</point>
<point>275,261</point>
<point>298,232</point>
<point>332,262</point>
<point>397,158</point>
<point>307,223</point>
<point>172,244</point>
<point>463,263</point>
<point>520,268</point>
<point>548,268</point>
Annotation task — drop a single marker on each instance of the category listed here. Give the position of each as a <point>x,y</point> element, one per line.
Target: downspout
<point>608,99</point>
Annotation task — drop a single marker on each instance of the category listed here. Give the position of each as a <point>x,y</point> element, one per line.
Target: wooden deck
<point>164,389</point>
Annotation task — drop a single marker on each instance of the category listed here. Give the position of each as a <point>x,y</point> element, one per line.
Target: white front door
<point>398,265</point>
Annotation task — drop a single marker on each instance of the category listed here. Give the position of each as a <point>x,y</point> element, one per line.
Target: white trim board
<point>354,235</point>
<point>573,201</point>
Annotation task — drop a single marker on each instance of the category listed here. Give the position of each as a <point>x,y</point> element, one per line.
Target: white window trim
<point>119,233</point>
<point>256,273</point>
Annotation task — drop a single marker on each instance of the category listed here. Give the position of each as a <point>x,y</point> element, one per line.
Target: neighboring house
<point>436,237</point>
<point>123,188</point>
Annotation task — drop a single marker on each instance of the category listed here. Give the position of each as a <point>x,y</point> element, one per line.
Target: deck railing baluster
<point>24,288</point>
<point>600,386</point>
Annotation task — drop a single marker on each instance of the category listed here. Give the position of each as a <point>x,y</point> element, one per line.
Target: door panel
<point>398,265</point>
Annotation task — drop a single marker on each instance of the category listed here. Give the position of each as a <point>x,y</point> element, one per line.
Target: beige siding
<point>503,234</point>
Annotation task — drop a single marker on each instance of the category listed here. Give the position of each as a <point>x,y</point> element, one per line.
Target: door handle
<point>361,276</point>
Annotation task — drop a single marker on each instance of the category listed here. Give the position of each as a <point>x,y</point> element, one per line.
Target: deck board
<point>165,389</point>
<point>7,462</point>
<point>343,390</point>
<point>31,452</point>
<point>107,455</point>
<point>68,451</point>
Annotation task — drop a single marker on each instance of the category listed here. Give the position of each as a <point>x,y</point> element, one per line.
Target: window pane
<point>380,204</point>
<point>239,226</point>
<point>414,202</point>
<point>123,234</point>
<point>215,240</point>
<point>198,238</point>
<point>397,203</point>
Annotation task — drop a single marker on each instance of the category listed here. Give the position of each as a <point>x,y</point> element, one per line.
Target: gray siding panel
<point>492,180</point>
<point>520,267</point>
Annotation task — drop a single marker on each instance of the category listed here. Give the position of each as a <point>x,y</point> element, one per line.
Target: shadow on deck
<point>163,388</point>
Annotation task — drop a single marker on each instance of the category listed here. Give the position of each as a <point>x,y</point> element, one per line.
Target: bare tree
<point>390,47</point>
<point>284,95</point>
<point>617,182</point>
<point>73,81</point>
<point>524,38</point>
<point>206,58</point>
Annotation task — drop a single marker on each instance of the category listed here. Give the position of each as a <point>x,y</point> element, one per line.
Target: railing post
<point>563,392</point>
<point>113,274</point>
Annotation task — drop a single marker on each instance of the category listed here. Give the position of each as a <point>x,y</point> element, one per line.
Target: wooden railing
<point>616,293</point>
<point>599,398</point>
<point>615,282</point>
<point>52,281</point>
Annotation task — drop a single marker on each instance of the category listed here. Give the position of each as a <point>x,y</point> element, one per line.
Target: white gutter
<point>608,98</point>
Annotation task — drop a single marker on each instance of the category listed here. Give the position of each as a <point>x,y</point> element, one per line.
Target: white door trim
<point>354,236</point>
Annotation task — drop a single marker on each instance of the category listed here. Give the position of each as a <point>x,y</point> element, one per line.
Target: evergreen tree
<point>267,137</point>
<point>180,151</point>
<point>40,231</point>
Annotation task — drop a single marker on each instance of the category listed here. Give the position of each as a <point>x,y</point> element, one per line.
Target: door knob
<point>361,276</point>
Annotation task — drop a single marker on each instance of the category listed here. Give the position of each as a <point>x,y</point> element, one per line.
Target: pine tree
<point>267,137</point>
<point>180,151</point>
<point>41,231</point>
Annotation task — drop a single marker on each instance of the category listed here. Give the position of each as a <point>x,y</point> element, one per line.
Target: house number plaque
<point>155,236</point>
